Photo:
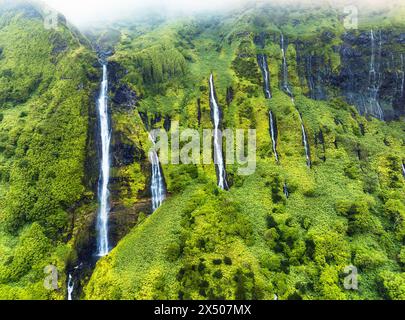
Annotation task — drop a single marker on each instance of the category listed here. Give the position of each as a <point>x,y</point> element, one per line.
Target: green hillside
<point>250,242</point>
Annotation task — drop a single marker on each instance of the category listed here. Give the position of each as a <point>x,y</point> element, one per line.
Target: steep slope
<point>257,239</point>
<point>47,81</point>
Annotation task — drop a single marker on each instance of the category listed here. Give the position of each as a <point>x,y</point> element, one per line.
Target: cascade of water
<point>375,79</point>
<point>285,190</point>
<point>285,85</point>
<point>262,59</point>
<point>273,133</point>
<point>310,77</point>
<point>218,157</point>
<point>403,169</point>
<point>306,144</point>
<point>70,287</point>
<point>103,192</point>
<point>157,184</point>
<point>403,75</point>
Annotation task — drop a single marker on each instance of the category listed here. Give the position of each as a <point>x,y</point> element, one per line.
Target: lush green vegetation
<point>45,98</point>
<point>251,242</point>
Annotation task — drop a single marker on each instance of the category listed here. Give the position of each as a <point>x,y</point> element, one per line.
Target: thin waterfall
<point>288,91</point>
<point>285,85</point>
<point>403,75</point>
<point>157,187</point>
<point>375,79</point>
<point>306,144</point>
<point>70,286</point>
<point>262,60</point>
<point>285,190</point>
<point>218,156</point>
<point>103,192</point>
<point>273,133</point>
<point>403,169</point>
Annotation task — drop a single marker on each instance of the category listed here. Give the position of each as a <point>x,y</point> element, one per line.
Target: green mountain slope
<point>46,96</point>
<point>252,242</point>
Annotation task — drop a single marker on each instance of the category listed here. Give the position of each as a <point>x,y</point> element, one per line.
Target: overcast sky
<point>82,12</point>
<point>85,12</point>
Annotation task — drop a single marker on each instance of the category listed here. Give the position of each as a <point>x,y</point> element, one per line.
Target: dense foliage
<point>45,98</point>
<point>251,242</point>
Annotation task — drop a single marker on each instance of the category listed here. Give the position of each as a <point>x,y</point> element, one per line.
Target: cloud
<point>83,12</point>
<point>87,12</point>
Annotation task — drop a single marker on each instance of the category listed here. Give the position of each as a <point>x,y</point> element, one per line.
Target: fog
<point>87,12</point>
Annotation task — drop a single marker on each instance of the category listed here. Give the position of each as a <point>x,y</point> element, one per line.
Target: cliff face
<point>370,74</point>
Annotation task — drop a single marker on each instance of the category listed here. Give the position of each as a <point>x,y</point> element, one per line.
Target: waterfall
<point>218,157</point>
<point>157,184</point>
<point>306,144</point>
<point>310,77</point>
<point>285,190</point>
<point>374,80</point>
<point>403,75</point>
<point>285,85</point>
<point>403,169</point>
<point>70,287</point>
<point>262,60</point>
<point>103,193</point>
<point>273,133</point>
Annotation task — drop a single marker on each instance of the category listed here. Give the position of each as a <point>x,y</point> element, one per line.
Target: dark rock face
<point>59,44</point>
<point>125,97</point>
<point>372,60</point>
<point>314,71</point>
<point>371,74</point>
<point>122,95</point>
<point>199,111</point>
<point>167,123</point>
<point>229,95</point>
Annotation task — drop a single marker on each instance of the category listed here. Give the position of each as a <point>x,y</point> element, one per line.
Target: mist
<point>85,13</point>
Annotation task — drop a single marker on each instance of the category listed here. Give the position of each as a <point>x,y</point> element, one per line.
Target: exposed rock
<point>125,97</point>
<point>229,95</point>
<point>167,123</point>
<point>401,38</point>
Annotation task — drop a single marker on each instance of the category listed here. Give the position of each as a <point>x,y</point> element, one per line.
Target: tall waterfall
<point>218,156</point>
<point>403,169</point>
<point>103,192</point>
<point>375,79</point>
<point>70,287</point>
<point>285,85</point>
<point>306,144</point>
<point>157,184</point>
<point>273,133</point>
<point>262,60</point>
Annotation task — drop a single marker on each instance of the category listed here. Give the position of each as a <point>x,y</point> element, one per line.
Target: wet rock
<point>125,97</point>
<point>144,118</point>
<point>229,95</point>
<point>401,38</point>
<point>167,123</point>
<point>327,36</point>
<point>199,111</point>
